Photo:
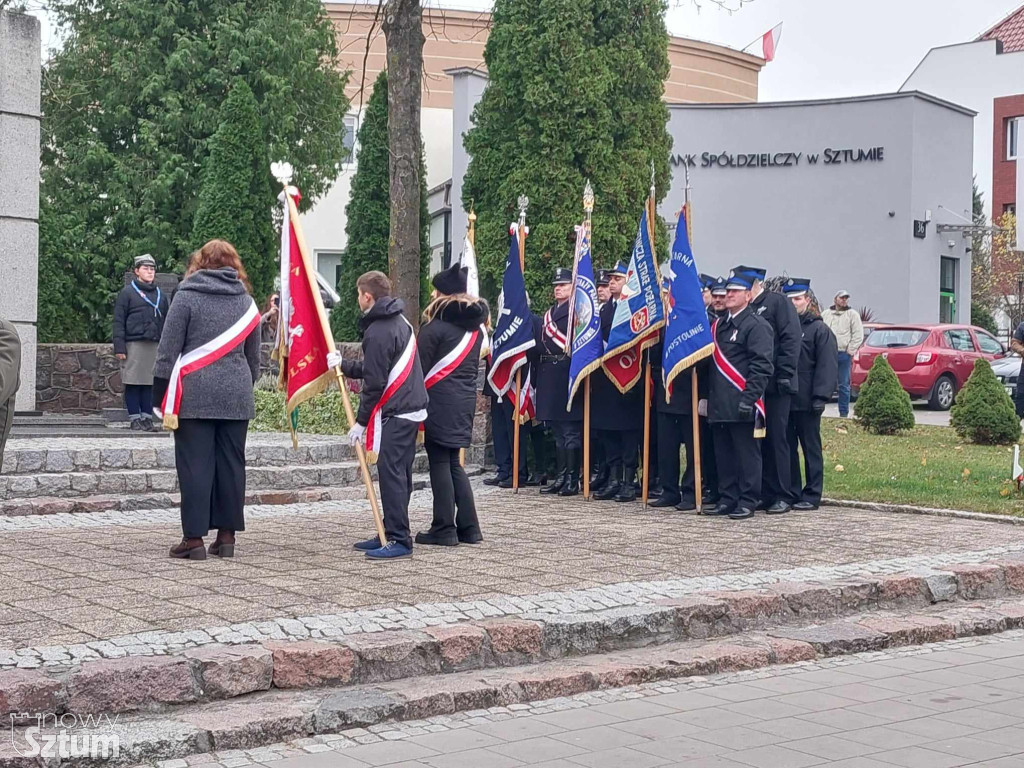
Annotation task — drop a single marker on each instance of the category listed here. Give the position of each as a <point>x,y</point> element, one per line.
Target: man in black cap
<point>819,373</point>
<point>780,314</point>
<point>715,296</point>
<point>620,415</point>
<point>743,368</point>
<point>553,391</point>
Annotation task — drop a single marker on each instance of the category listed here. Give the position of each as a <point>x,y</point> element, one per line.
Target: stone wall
<point>20,59</point>
<point>77,378</point>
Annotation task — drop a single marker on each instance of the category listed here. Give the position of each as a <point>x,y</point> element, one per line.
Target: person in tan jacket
<point>845,323</point>
<point>10,373</point>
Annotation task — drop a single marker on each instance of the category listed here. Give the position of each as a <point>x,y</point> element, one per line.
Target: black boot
<point>599,478</point>
<point>611,488</point>
<point>628,490</point>
<point>559,480</point>
<point>572,473</point>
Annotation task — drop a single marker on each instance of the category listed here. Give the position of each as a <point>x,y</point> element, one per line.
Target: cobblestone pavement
<point>958,703</point>
<point>75,583</point>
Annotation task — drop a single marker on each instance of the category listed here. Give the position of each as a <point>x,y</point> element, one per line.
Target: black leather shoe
<point>555,486</point>
<point>686,506</point>
<point>742,513</point>
<point>571,487</point>
<point>664,501</point>
<point>438,540</point>
<point>805,506</point>
<point>778,508</point>
<point>532,481</point>
<point>470,537</point>
<point>762,505</point>
<point>609,492</point>
<point>719,510</point>
<point>493,480</point>
<point>599,479</point>
<point>506,483</point>
<point>627,493</point>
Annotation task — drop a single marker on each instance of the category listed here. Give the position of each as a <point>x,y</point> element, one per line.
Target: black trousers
<point>452,491</point>
<point>739,463</point>
<point>568,434</point>
<point>532,434</point>
<point>501,434</point>
<point>775,449</point>
<point>597,457</point>
<point>805,430</point>
<point>622,449</point>
<point>209,456</point>
<point>394,475</point>
<point>675,430</point>
<point>708,462</point>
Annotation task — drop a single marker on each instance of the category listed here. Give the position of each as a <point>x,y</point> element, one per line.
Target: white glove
<point>334,359</point>
<point>355,435</point>
<point>702,408</point>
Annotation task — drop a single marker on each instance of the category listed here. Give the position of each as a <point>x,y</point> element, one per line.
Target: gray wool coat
<point>206,304</point>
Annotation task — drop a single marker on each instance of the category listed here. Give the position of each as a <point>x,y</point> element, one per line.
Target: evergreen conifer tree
<point>983,412</point>
<point>235,199</point>
<point>882,406</point>
<point>574,93</point>
<point>368,214</point>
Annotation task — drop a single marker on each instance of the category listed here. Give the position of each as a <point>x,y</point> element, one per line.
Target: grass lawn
<point>927,467</point>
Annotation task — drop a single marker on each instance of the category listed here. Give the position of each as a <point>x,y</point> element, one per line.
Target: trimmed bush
<point>323,415</point>
<point>983,412</point>
<point>882,406</point>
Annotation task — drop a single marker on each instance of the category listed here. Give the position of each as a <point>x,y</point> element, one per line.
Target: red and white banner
<point>202,356</point>
<point>527,400</point>
<point>770,42</point>
<point>397,376</point>
<point>738,380</point>
<point>625,368</point>
<point>452,360</point>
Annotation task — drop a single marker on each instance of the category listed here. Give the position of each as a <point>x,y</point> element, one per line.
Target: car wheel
<point>943,394</point>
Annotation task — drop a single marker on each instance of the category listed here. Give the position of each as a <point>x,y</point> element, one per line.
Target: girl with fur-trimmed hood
<point>449,348</point>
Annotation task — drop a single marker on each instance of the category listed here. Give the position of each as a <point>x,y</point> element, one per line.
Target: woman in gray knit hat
<point>208,360</point>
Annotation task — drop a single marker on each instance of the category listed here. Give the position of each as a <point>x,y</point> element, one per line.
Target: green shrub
<point>323,415</point>
<point>983,412</point>
<point>882,406</point>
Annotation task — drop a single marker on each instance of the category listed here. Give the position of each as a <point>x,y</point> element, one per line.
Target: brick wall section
<point>1004,172</point>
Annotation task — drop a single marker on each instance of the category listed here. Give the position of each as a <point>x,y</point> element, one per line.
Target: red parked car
<point>932,362</point>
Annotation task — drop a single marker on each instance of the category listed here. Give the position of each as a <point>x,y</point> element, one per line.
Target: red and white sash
<point>202,356</point>
<point>738,380</point>
<point>451,361</point>
<point>397,376</point>
<point>551,329</point>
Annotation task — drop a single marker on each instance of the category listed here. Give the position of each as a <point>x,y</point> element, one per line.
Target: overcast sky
<point>839,47</point>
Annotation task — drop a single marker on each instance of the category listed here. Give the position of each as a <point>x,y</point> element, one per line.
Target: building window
<point>1012,132</point>
<point>350,139</point>
<point>328,264</point>
<point>1010,208</point>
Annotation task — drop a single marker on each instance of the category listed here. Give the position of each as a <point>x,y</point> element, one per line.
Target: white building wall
<point>972,75</point>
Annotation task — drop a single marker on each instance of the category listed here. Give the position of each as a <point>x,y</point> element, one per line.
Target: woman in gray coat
<point>208,360</point>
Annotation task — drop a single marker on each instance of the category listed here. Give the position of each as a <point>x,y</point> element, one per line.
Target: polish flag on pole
<point>770,42</point>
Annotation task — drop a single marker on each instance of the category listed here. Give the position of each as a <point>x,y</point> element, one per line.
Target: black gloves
<point>787,387</point>
<point>818,406</point>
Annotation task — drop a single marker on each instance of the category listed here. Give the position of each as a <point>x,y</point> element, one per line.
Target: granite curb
<point>812,614</point>
<point>910,509</point>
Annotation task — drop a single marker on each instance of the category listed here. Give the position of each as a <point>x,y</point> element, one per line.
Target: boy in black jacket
<point>818,376</point>
<point>392,405</point>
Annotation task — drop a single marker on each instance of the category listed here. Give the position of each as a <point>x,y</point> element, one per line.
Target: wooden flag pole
<point>588,209</point>
<point>644,485</point>
<point>472,241</point>
<point>524,201</point>
<point>364,467</point>
<point>698,478</point>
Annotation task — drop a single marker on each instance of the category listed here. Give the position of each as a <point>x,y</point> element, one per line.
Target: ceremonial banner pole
<point>472,242</point>
<point>523,201</point>
<point>698,480</point>
<point>371,494</point>
<point>644,487</point>
<point>588,208</point>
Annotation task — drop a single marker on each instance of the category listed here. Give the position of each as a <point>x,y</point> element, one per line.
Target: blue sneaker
<point>366,546</point>
<point>390,551</point>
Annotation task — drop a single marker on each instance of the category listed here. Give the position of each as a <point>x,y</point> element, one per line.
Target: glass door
<point>947,290</point>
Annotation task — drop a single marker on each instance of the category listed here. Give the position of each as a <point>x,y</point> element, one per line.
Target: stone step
<point>232,700</point>
<point>31,457</point>
<point>147,481</point>
<point>160,670</point>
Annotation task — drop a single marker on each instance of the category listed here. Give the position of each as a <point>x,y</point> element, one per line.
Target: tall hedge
<point>883,406</point>
<point>574,93</point>
<point>368,213</point>
<point>983,412</point>
<point>235,199</point>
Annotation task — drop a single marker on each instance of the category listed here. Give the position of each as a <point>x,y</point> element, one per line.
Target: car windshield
<point>892,338</point>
